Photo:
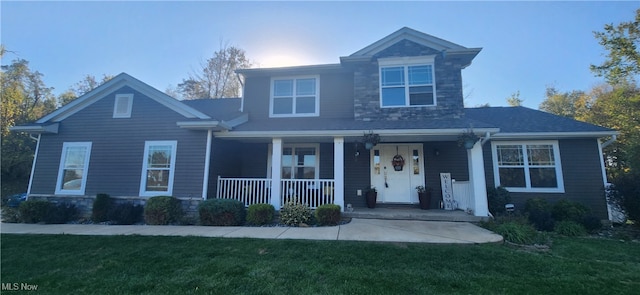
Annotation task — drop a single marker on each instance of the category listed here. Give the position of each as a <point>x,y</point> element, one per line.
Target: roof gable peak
<point>407,33</point>
<point>122,79</point>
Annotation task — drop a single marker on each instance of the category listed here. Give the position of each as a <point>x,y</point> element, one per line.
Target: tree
<point>514,100</point>
<point>623,43</point>
<point>88,83</point>
<point>568,104</point>
<point>619,108</point>
<point>216,77</point>
<point>24,98</point>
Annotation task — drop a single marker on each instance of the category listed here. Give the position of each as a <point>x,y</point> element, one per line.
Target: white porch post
<point>477,180</point>
<point>207,163</point>
<point>276,174</point>
<point>338,171</point>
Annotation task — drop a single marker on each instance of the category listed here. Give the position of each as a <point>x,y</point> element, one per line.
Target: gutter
<point>348,133</point>
<point>51,128</point>
<point>242,97</point>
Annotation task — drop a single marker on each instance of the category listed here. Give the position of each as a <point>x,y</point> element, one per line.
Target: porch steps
<point>412,213</point>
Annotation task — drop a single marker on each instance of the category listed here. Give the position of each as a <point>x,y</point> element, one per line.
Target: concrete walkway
<point>377,230</point>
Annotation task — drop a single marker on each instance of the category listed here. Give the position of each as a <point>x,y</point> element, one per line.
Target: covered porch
<point>344,168</point>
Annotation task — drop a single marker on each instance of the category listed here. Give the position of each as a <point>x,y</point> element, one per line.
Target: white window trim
<point>528,188</point>
<point>129,106</point>
<point>63,157</point>
<point>405,62</point>
<point>293,114</point>
<point>143,176</point>
<point>295,146</point>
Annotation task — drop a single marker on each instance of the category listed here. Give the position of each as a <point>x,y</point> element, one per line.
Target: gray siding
<point>115,165</point>
<point>450,159</point>
<point>357,174</point>
<point>336,96</point>
<point>581,171</point>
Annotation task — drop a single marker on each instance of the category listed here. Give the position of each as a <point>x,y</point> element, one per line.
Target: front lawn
<point>64,264</point>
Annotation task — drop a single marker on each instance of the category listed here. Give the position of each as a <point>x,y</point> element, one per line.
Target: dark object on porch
<point>371,197</point>
<point>424,196</point>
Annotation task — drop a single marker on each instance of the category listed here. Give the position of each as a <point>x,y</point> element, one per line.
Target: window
<point>122,106</point>
<point>74,164</point>
<point>300,162</point>
<point>407,81</point>
<point>294,97</point>
<point>528,166</point>
<point>158,168</point>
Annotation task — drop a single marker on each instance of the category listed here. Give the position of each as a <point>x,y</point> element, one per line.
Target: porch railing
<point>462,194</point>
<point>312,192</point>
<point>247,190</point>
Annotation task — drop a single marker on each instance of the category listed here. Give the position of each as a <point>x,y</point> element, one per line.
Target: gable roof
<point>117,82</point>
<point>444,46</point>
<point>525,122</point>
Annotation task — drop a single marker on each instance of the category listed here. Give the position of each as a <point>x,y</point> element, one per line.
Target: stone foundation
<point>85,203</point>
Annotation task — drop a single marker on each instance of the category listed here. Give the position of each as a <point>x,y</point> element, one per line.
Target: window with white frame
<point>300,162</point>
<point>122,106</point>
<point>528,166</point>
<point>407,81</point>
<point>294,97</point>
<point>74,164</point>
<point>158,168</point>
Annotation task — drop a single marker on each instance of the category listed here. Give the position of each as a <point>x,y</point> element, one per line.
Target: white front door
<point>397,185</point>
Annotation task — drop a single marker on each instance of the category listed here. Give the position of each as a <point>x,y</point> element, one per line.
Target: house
<point>297,134</point>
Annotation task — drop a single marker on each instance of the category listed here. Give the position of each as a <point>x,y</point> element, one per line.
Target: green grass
<point>64,264</point>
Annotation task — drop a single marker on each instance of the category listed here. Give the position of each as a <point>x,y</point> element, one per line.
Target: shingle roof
<point>302,124</point>
<point>507,119</point>
<point>525,120</point>
<point>224,109</point>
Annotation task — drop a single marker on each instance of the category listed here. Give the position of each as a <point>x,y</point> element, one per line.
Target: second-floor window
<point>407,82</point>
<point>294,97</point>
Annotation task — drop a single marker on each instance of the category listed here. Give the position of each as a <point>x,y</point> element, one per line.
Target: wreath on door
<point>397,162</point>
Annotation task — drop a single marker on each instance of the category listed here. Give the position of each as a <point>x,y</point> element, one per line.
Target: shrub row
<point>163,210</point>
<point>37,211</point>
<point>563,217</point>
<point>231,212</point>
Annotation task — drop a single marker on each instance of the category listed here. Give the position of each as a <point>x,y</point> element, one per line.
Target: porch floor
<point>412,213</point>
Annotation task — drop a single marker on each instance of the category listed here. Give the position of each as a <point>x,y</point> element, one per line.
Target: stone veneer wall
<point>449,99</point>
<point>85,203</point>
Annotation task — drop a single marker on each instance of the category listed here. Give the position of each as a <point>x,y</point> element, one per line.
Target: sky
<point>526,46</point>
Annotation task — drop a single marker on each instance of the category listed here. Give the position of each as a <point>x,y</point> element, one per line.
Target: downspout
<point>610,141</point>
<point>486,138</point>
<point>33,165</point>
<point>601,146</point>
<point>207,161</point>
<point>241,96</point>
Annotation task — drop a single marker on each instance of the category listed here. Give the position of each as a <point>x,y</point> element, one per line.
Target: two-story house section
<point>388,116</point>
